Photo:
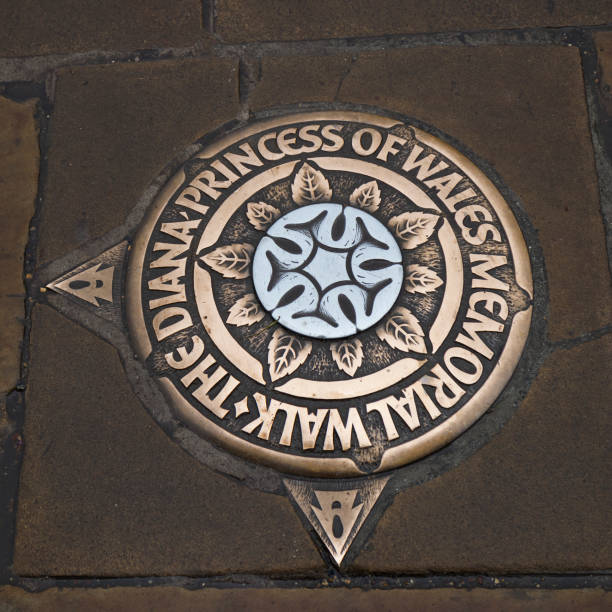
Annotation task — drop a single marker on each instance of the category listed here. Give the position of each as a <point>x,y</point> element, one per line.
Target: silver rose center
<point>327,271</point>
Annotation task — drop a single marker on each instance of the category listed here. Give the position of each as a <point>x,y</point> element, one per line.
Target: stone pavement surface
<point>154,599</point>
<point>95,101</point>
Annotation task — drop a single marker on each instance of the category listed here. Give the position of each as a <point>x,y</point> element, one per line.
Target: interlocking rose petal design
<point>327,271</point>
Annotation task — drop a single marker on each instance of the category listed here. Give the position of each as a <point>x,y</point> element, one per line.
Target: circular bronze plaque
<point>330,293</point>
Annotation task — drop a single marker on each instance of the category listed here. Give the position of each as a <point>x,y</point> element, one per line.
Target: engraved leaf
<point>367,197</point>
<point>286,353</point>
<point>402,331</point>
<point>261,214</point>
<point>246,311</point>
<point>413,228</point>
<point>232,261</point>
<point>421,279</point>
<point>310,185</point>
<point>348,355</point>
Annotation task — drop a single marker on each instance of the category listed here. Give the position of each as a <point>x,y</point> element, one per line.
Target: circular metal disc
<point>327,271</point>
<point>333,293</point>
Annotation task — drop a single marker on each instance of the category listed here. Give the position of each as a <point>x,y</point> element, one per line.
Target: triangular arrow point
<point>96,284</point>
<point>335,514</point>
<point>93,279</point>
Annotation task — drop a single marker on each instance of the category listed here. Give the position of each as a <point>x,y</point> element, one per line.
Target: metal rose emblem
<point>326,271</point>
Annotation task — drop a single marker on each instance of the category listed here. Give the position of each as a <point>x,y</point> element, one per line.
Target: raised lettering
<point>374,137</point>
<point>345,431</point>
<point>263,149</point>
<point>480,323</point>
<point>457,352</point>
<point>170,321</point>
<point>201,393</point>
<point>241,162</point>
<point>329,133</point>
<point>189,198</point>
<point>388,147</point>
<point>310,425</point>
<point>423,165</point>
<point>481,277</point>
<point>186,358</point>
<point>306,134</point>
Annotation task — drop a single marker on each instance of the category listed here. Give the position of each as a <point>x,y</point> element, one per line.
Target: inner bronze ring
<point>332,389</point>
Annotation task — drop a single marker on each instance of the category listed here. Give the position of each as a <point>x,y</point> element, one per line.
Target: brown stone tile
<point>18,187</point>
<point>104,491</point>
<point>535,499</point>
<point>311,79</point>
<point>244,20</point>
<point>113,129</point>
<point>31,27</point>
<point>264,600</point>
<point>521,109</point>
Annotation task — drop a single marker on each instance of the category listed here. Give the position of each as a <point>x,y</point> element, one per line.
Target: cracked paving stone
<point>522,110</point>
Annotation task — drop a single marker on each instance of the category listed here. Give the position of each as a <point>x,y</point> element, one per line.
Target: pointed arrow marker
<point>92,280</point>
<point>89,285</point>
<point>336,515</point>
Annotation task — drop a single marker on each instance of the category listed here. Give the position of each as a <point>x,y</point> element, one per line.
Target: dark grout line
<point>10,459</point>
<point>344,76</point>
<point>34,68</point>
<point>333,579</point>
<point>600,125</point>
<point>249,75</point>
<point>209,13</point>
<point>20,91</point>
<point>582,339</point>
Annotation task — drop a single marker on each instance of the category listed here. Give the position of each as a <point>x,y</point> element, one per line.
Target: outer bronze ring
<point>339,467</point>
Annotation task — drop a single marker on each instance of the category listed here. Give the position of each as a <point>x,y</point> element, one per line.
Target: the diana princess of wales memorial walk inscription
<point>330,298</point>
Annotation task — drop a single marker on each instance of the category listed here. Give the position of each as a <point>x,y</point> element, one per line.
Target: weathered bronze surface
<point>331,294</point>
<point>364,402</point>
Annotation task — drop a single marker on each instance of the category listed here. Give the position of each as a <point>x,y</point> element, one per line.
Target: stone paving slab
<point>18,186</point>
<point>535,499</point>
<point>523,110</point>
<point>31,27</point>
<point>155,599</point>
<point>243,20</point>
<point>113,130</point>
<point>104,492</point>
